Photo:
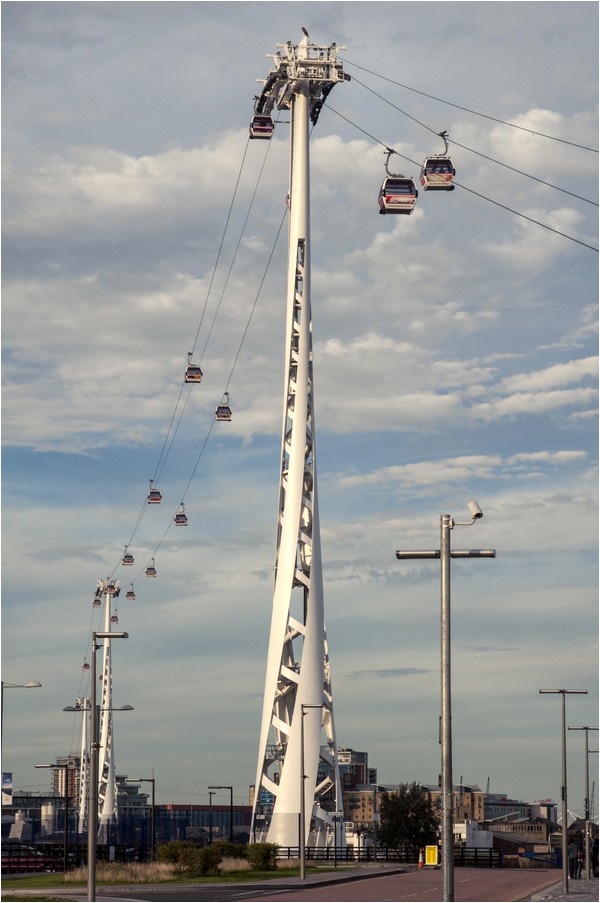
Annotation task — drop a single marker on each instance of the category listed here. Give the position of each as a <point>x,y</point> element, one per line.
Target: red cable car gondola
<point>437,172</point>
<point>223,411</point>
<point>127,557</point>
<point>398,195</point>
<point>180,518</point>
<point>193,373</point>
<point>151,570</point>
<point>261,126</point>
<point>130,594</point>
<point>154,496</point>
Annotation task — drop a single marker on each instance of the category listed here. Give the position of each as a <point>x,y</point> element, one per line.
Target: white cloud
<point>552,377</point>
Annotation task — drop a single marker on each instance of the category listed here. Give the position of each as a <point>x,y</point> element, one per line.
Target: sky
<point>455,358</point>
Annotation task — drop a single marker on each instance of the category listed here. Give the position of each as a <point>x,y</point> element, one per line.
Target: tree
<point>407,819</point>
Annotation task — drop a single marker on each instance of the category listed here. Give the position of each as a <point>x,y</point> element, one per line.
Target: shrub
<point>233,850</point>
<point>207,861</point>
<point>262,856</point>
<point>174,851</point>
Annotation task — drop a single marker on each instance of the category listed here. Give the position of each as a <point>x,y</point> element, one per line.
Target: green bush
<point>193,860</point>
<point>205,862</point>
<point>229,849</point>
<point>174,850</point>
<point>262,856</point>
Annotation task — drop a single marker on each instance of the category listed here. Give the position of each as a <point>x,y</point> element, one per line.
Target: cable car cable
<point>167,445</point>
<point>473,112</point>
<point>222,242</point>
<point>478,153</point>
<point>237,247</point>
<point>166,450</point>
<point>529,218</point>
<point>210,429</point>
<point>472,191</point>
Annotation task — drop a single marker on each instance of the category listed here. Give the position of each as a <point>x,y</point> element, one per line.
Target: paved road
<point>364,886</point>
<point>476,885</point>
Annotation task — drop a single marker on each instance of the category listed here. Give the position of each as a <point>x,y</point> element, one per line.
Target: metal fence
<point>20,858</point>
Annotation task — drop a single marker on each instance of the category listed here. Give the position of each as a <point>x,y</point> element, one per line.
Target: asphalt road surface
<point>476,885</point>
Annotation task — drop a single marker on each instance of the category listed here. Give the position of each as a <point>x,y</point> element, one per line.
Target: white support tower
<point>84,767</point>
<point>297,721</point>
<point>107,791</point>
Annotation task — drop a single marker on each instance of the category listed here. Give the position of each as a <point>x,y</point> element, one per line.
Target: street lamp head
<point>80,708</point>
<point>28,686</point>
<point>476,512</point>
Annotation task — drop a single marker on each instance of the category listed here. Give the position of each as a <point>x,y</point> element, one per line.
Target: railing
<point>465,857</point>
<point>20,858</point>
<point>348,854</point>
<point>478,858</point>
<point>552,860</point>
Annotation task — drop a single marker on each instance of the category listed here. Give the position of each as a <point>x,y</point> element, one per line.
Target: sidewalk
<point>579,889</point>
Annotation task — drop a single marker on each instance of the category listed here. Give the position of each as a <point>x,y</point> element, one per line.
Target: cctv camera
<point>475,510</point>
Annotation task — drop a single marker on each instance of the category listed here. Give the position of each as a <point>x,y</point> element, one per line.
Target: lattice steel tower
<point>107,793</point>
<point>297,722</point>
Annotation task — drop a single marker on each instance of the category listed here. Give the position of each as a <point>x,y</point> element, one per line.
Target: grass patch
<point>232,871</point>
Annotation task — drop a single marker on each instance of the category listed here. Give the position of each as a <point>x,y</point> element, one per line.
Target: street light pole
<point>65,767</point>
<point>93,782</point>
<point>230,788</point>
<point>302,837</point>
<point>153,782</point>
<point>563,792</point>
<point>445,553</point>
<point>587,729</point>
<point>210,796</point>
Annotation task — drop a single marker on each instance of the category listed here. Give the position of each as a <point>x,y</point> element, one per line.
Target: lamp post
<point>563,791</point>
<point>230,788</point>
<point>8,686</point>
<point>64,767</point>
<point>587,729</point>
<point>93,779</point>
<point>210,796</point>
<point>303,708</point>
<point>445,553</point>
<point>153,782</point>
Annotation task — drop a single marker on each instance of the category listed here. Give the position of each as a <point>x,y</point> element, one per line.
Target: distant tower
<point>297,719</point>
<point>107,791</point>
<point>84,763</point>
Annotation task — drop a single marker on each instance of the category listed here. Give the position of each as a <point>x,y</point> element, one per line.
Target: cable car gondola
<point>85,666</point>
<point>114,619</point>
<point>180,519</point>
<point>261,126</point>
<point>154,496</point>
<point>130,594</point>
<point>113,588</point>
<point>193,373</point>
<point>151,570</point>
<point>398,193</point>
<point>223,411</point>
<point>437,172</point>
<point>127,557</point>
